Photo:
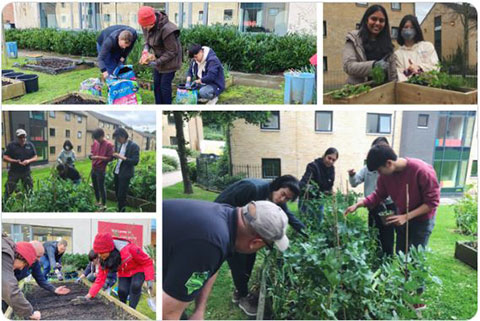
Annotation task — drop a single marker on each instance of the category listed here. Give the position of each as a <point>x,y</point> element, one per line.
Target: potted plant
<point>466,221</point>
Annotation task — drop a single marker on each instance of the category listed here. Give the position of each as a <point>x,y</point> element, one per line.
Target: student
<point>414,55</point>
<point>67,155</point>
<point>321,172</point>
<point>113,46</point>
<point>92,270</point>
<point>68,172</point>
<point>198,236</point>
<point>52,259</point>
<point>369,47</point>
<point>20,154</point>
<point>163,37</point>
<point>206,70</point>
<point>101,155</point>
<point>128,155</point>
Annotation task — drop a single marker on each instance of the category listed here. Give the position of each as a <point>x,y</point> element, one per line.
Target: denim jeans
<point>162,87</point>
<point>206,92</point>
<point>45,263</point>
<point>112,60</point>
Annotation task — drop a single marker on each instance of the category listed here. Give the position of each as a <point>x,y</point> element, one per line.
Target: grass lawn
<point>244,95</point>
<point>455,299</point>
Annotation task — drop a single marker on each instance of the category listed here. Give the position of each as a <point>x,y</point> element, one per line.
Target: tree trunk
<point>182,154</point>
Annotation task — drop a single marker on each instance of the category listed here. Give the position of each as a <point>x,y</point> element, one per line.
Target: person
<point>320,172</point>
<point>133,265</point>
<point>369,47</point>
<point>369,178</point>
<point>16,257</point>
<point>199,236</point>
<point>128,157</point>
<point>114,44</point>
<point>163,37</point>
<point>101,155</point>
<point>20,154</point>
<point>67,155</point>
<point>280,191</point>
<point>414,55</point>
<point>206,71</point>
<point>52,259</point>
<point>66,171</point>
<point>92,270</point>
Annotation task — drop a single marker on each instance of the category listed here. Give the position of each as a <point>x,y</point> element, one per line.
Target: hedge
<point>246,52</point>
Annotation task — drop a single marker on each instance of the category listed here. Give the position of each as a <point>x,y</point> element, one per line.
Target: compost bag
<point>123,88</point>
<point>186,95</point>
<point>92,86</point>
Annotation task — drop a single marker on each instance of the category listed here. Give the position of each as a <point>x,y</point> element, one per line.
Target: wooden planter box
<point>15,89</point>
<point>466,253</point>
<point>383,94</point>
<point>145,205</point>
<point>415,94</point>
<point>96,99</point>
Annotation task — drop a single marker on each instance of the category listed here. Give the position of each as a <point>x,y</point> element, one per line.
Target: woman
<point>321,173</point>
<point>369,47</point>
<point>414,55</point>
<point>67,155</point>
<point>129,261</point>
<point>163,37</point>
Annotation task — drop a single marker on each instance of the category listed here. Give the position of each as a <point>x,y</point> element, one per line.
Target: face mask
<point>408,34</point>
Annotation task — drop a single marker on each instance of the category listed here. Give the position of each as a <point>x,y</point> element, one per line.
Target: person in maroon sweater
<point>101,155</point>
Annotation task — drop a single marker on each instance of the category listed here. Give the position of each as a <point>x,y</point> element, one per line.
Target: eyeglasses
<point>249,218</point>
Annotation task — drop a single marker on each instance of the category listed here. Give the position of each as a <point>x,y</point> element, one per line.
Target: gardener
<point>113,46</point>
<point>369,47</point>
<point>320,176</point>
<point>369,178</point>
<point>280,191</point>
<point>68,172</point>
<point>133,266</point>
<point>67,155</point>
<point>101,155</point>
<point>16,257</point>
<point>128,157</point>
<point>163,37</point>
<point>52,259</point>
<point>199,236</point>
<point>92,270</point>
<point>206,71</point>
<point>20,154</point>
<point>414,55</point>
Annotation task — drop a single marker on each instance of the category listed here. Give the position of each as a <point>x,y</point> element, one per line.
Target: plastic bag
<point>123,92</point>
<point>125,72</point>
<point>92,86</point>
<point>186,97</point>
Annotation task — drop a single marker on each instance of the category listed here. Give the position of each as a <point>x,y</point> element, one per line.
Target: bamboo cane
<point>406,237</point>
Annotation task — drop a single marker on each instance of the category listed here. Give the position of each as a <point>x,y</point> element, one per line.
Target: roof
<point>144,134</point>
<point>81,113</point>
<point>454,6</point>
<point>106,118</point>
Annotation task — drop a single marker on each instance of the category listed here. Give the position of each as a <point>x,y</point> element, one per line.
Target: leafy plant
<point>378,75</point>
<point>170,163</point>
<point>350,90</point>
<point>77,261</point>
<point>437,79</point>
<point>152,252</point>
<point>466,215</point>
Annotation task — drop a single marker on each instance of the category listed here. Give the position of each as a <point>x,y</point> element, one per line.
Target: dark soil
<point>53,307</point>
<point>54,63</point>
<point>5,83</point>
<point>77,100</point>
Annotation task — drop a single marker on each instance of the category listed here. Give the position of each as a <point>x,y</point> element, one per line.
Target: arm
<point>392,69</point>
<point>172,308</point>
<point>296,224</point>
<point>135,157</point>
<point>40,278</point>
<point>371,200</point>
<point>11,293</point>
<point>104,50</point>
<point>212,72</point>
<point>202,298</point>
<point>98,284</point>
<point>350,64</point>
<point>358,178</point>
<point>8,159</point>
<point>60,157</point>
<point>190,70</point>
<point>171,49</point>
<point>307,177</point>
<point>143,259</point>
<point>74,158</point>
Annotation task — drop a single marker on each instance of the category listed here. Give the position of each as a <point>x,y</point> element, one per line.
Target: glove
<point>381,63</point>
<point>150,284</point>
<point>78,280</point>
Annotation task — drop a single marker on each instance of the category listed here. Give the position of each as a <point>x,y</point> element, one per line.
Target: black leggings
<point>131,286</point>
<point>241,266</point>
<point>98,181</point>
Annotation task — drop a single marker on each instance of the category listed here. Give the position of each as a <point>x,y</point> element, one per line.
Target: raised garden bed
<point>76,98</point>
<point>467,253</point>
<point>145,205</point>
<point>55,66</point>
<point>383,94</point>
<point>148,84</point>
<point>12,88</point>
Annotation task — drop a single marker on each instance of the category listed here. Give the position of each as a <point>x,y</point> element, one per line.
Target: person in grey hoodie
<point>368,47</point>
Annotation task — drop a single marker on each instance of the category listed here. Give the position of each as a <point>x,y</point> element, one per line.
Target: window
<point>173,141</point>
<point>52,150</point>
<point>171,120</point>
<point>379,123</point>
<point>394,33</point>
<point>67,133</point>
<point>422,120</point>
<point>39,115</point>
<point>52,132</point>
<point>200,15</point>
<point>473,172</point>
<point>227,15</point>
<point>79,119</point>
<point>51,114</point>
<point>68,116</point>
<point>79,149</point>
<point>323,121</point>
<point>396,6</point>
<point>271,167</point>
<point>324,28</point>
<point>79,134</point>
<point>106,17</point>
<point>263,17</point>
<point>64,18</point>
<point>325,63</point>
<point>273,123</point>
<point>438,22</point>
<point>63,4</point>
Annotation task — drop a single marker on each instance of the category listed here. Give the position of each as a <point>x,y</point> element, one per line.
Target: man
<point>207,70</point>
<point>101,155</point>
<point>20,154</point>
<point>199,236</point>
<point>66,171</point>
<point>113,46</point>
<point>127,154</point>
<point>16,257</point>
<point>52,259</point>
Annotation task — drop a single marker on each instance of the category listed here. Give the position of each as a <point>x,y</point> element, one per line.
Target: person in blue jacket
<point>91,272</point>
<point>52,259</point>
<point>206,70</point>
<point>113,46</point>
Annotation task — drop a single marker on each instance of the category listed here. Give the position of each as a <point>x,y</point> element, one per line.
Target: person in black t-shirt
<point>69,172</point>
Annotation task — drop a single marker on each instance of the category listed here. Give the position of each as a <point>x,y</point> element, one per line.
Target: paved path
<point>172,178</point>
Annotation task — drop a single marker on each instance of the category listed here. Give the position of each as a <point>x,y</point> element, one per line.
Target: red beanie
<point>103,243</point>
<point>146,16</point>
<point>27,251</point>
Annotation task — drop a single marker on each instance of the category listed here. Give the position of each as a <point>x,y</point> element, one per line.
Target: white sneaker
<point>212,101</point>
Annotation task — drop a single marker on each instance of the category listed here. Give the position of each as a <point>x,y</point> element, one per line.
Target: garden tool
<point>151,300</point>
<point>79,300</point>
<point>59,275</point>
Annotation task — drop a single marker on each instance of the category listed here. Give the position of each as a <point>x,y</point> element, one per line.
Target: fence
<point>333,79</point>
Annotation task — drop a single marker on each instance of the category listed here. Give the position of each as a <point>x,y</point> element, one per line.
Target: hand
<point>78,280</point>
<point>143,57</point>
<point>56,271</point>
<point>150,58</point>
<point>105,74</point>
<point>381,63</point>
<point>36,315</point>
<point>351,209</point>
<point>93,157</point>
<point>80,299</point>
<point>351,172</point>
<point>198,81</point>
<point>150,284</point>
<point>115,155</point>
<point>62,290</point>
<point>58,265</point>
<point>122,59</point>
<point>197,315</point>
<point>397,220</point>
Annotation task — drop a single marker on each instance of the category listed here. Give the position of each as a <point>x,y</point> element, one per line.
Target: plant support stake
<point>406,237</point>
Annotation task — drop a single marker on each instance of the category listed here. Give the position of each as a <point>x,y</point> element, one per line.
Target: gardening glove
<point>78,280</point>
<point>382,63</point>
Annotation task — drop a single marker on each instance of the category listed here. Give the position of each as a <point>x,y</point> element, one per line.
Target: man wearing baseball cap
<point>199,236</point>
<point>20,154</point>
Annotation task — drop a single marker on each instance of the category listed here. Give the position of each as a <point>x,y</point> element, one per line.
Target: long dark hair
<point>416,26</point>
<point>384,40</point>
<point>113,261</point>
<point>331,150</point>
<point>288,181</point>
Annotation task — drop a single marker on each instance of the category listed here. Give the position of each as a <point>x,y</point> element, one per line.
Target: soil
<point>53,307</point>
<point>5,83</point>
<point>77,100</point>
<point>54,63</point>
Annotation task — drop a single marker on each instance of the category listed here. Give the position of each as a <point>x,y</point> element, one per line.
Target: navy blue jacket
<point>213,73</point>
<point>88,270</point>
<point>51,252</point>
<point>36,271</point>
<point>250,189</point>
<point>108,42</point>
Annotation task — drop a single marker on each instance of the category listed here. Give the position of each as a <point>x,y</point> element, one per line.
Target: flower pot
<point>384,216</point>
<point>31,82</point>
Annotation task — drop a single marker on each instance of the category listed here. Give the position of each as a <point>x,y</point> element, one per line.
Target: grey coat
<point>355,62</point>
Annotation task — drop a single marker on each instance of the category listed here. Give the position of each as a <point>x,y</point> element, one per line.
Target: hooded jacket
<point>322,175</point>
<point>164,39</point>
<point>212,74</point>
<point>108,42</point>
<point>134,260</point>
<point>422,54</point>
<point>11,292</point>
<point>355,62</point>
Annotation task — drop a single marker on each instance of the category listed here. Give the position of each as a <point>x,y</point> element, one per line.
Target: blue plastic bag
<point>186,96</point>
<point>124,72</point>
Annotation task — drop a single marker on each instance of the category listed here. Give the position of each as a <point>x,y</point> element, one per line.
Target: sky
<point>139,120</point>
<point>421,9</point>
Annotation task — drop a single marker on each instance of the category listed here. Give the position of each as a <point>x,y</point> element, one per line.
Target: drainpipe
<point>393,131</point>
<point>190,11</point>
<point>180,15</point>
<point>205,14</point>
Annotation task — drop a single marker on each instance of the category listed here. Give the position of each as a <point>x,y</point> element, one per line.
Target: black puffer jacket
<point>317,172</point>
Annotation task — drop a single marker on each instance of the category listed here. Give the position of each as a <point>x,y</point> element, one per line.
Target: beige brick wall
<point>193,131</point>
<point>297,143</point>
<point>27,15</point>
<point>61,125</point>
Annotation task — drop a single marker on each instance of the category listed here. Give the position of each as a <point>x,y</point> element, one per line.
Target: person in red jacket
<point>132,265</point>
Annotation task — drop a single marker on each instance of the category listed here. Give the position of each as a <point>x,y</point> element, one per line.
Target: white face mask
<point>67,148</point>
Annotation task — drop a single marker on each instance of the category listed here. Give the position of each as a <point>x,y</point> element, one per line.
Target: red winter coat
<point>134,260</point>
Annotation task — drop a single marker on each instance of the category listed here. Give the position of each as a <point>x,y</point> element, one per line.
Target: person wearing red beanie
<point>103,243</point>
<point>163,38</point>
<point>27,253</point>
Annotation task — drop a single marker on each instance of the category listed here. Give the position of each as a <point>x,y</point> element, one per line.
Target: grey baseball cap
<point>269,221</point>
<point>20,132</point>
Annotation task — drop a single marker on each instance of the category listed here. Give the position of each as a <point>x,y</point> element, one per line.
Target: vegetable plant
<point>378,75</point>
<point>466,213</point>
<point>437,79</point>
<point>350,90</point>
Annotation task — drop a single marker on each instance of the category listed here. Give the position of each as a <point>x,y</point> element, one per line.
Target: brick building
<point>193,131</point>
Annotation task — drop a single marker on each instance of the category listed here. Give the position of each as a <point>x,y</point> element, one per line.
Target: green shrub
<point>78,261</point>
<point>192,170</point>
<point>466,216</point>
<point>167,168</point>
<point>170,160</point>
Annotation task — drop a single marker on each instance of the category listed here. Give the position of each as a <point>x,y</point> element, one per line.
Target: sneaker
<point>249,305</point>
<point>212,101</point>
<point>236,297</point>
<point>419,306</point>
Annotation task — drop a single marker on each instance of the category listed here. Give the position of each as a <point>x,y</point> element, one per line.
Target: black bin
<point>31,82</point>
<point>14,75</point>
<point>5,72</point>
